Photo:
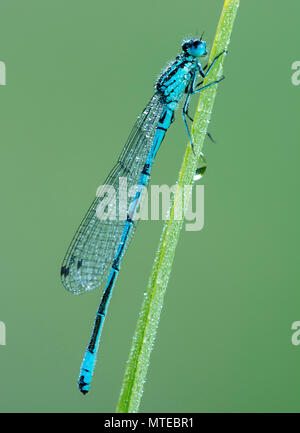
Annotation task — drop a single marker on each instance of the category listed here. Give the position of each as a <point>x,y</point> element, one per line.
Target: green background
<point>78,74</point>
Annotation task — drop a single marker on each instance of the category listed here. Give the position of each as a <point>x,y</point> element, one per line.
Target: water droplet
<point>202,167</point>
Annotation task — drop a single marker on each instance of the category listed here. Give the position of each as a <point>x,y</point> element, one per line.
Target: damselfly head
<point>194,47</point>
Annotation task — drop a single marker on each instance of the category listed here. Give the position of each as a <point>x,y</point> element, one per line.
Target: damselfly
<point>99,244</point>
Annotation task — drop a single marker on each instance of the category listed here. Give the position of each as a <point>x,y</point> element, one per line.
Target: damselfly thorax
<point>172,84</point>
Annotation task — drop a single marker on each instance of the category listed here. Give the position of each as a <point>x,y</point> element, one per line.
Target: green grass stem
<point>146,329</point>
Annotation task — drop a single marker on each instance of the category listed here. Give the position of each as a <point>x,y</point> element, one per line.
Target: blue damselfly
<point>98,246</point>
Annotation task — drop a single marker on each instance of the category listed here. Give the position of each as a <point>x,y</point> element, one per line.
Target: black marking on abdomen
<point>115,265</point>
<point>101,312</point>
<point>145,170</point>
<point>81,384</point>
<point>128,219</point>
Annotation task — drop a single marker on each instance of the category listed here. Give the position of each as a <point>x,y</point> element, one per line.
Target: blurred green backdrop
<point>78,74</point>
